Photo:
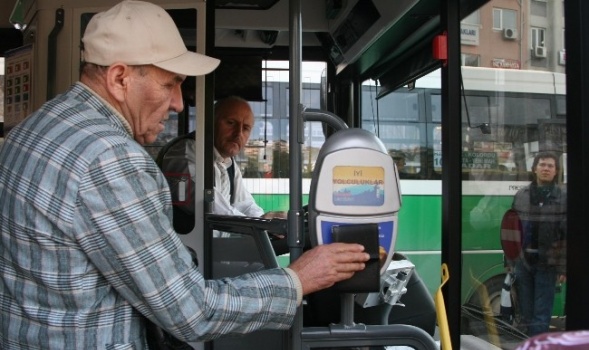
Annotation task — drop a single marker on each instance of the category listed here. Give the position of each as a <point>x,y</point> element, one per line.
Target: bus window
<point>436,107</point>
<point>477,110</point>
<point>524,110</point>
<point>561,106</point>
<point>496,160</point>
<point>400,106</point>
<point>265,161</point>
<point>398,119</point>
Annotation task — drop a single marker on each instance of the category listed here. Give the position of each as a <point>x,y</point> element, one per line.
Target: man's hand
<point>275,214</point>
<point>324,265</point>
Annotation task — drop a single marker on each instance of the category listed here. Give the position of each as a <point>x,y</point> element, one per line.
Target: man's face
<point>233,126</point>
<point>153,93</point>
<point>545,171</point>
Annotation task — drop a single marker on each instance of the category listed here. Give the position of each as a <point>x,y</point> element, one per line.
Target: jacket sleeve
<point>124,228</point>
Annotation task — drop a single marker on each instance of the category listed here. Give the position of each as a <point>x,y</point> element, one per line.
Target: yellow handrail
<point>445,342</point>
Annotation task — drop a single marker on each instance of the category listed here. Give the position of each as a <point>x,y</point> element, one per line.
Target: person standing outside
<point>541,207</point>
<point>88,255</point>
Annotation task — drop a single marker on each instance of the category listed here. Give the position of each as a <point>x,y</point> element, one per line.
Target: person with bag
<point>536,251</point>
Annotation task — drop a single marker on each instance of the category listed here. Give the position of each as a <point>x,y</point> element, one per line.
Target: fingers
<point>344,247</point>
<point>347,252</point>
<point>323,266</point>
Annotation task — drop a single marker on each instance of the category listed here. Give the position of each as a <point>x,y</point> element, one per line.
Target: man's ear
<point>117,80</point>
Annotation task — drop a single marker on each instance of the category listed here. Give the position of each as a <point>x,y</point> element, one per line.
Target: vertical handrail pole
<point>295,234</point>
<point>296,134</point>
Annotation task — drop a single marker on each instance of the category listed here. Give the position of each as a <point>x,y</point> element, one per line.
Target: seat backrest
<point>244,247</point>
<point>174,161</point>
<point>234,256</point>
<point>241,244</point>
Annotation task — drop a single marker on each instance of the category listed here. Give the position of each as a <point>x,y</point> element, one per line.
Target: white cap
<point>140,33</point>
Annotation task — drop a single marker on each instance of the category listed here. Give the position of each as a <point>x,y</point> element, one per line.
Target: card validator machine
<point>355,197</point>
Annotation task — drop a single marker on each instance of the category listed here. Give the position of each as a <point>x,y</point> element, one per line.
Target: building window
<point>504,18</point>
<point>474,18</point>
<point>539,50</point>
<point>470,60</point>
<point>538,35</point>
<point>539,8</point>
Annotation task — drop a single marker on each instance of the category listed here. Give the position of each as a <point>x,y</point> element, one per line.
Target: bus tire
<point>484,307</point>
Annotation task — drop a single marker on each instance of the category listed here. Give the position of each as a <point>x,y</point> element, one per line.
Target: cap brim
<point>190,64</point>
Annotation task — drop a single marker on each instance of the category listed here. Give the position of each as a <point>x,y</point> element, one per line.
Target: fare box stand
<point>355,197</point>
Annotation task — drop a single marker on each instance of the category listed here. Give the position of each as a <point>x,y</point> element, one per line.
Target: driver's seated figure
<point>234,121</point>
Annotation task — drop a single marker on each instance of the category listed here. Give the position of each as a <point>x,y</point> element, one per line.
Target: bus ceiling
<point>354,33</point>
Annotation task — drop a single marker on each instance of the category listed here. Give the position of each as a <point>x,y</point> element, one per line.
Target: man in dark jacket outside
<point>541,207</point>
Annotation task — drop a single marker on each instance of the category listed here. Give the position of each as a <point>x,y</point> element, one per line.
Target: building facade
<point>517,34</point>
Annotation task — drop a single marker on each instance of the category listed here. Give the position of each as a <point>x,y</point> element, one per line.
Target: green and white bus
<point>507,117</point>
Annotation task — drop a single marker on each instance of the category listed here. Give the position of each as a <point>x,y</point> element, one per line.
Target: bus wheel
<point>483,310</point>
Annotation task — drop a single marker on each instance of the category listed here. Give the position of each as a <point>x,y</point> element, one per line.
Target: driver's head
<point>234,120</point>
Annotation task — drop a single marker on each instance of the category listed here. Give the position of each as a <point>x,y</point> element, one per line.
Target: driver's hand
<point>275,215</point>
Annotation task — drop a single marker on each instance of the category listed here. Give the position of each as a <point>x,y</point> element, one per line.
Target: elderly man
<point>88,254</point>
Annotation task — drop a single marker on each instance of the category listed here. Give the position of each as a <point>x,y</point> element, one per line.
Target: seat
<point>174,163</point>
<point>245,247</point>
